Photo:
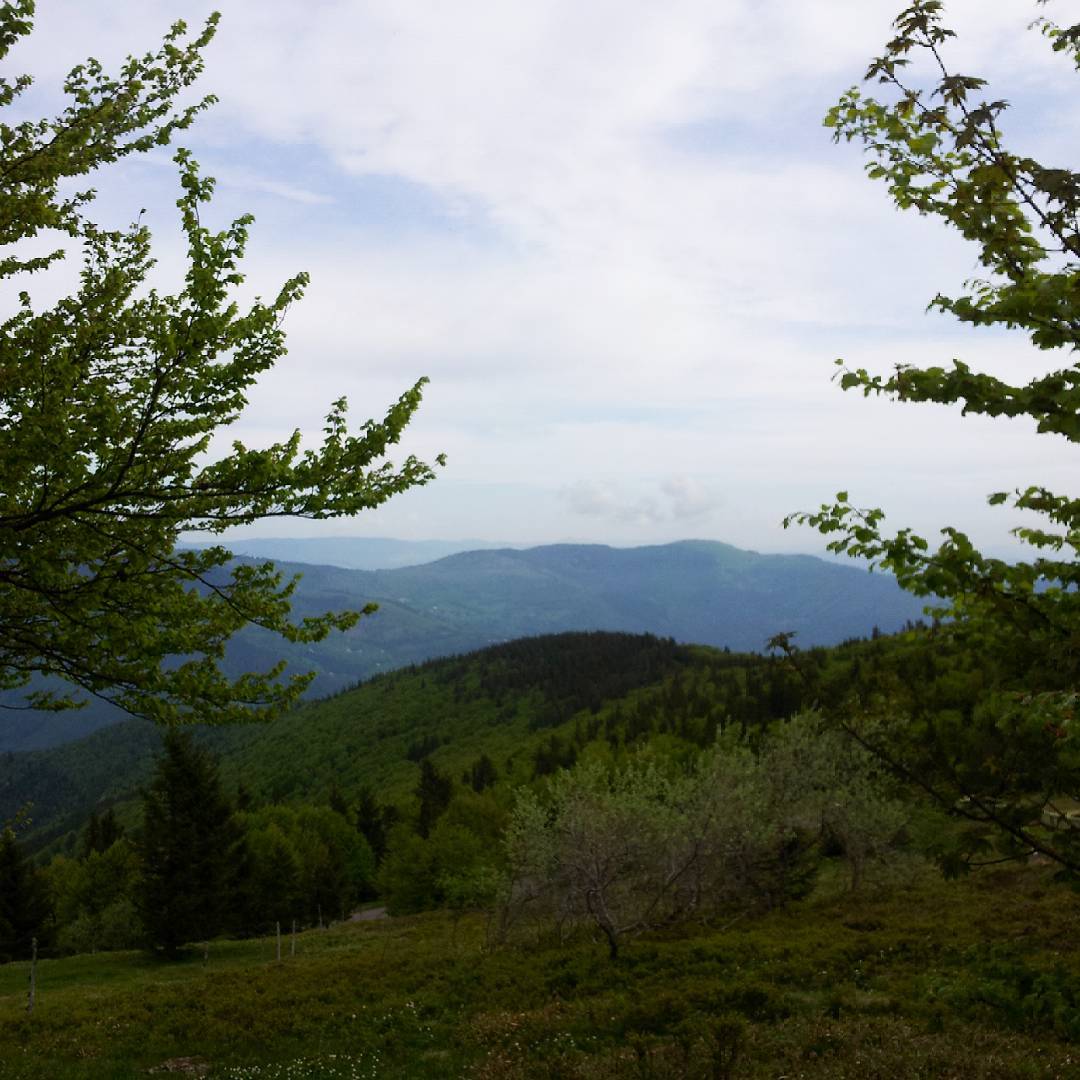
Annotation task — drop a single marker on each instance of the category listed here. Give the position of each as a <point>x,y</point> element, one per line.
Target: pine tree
<point>101,832</point>
<point>482,773</point>
<point>434,790</point>
<point>186,845</point>
<point>24,906</point>
<point>371,821</point>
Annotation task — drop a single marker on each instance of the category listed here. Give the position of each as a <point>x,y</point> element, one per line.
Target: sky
<point>616,238</point>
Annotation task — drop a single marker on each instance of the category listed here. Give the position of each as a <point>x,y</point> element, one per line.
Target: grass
<point>973,979</point>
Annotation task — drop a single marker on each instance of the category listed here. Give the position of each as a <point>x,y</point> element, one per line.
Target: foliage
<point>93,899</point>
<point>644,845</point>
<point>374,821</point>
<point>108,403</point>
<point>101,832</point>
<point>300,862</point>
<point>481,774</point>
<point>185,848</point>
<point>937,144</point>
<point>433,792</point>
<point>447,867</point>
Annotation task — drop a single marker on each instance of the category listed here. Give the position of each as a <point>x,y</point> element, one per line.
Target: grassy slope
<point>971,980</point>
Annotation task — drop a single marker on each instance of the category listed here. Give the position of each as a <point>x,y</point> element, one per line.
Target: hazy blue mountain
<point>693,591</point>
<point>355,552</point>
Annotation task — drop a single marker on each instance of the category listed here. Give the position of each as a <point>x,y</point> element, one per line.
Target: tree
<point>446,868</point>
<point>434,790</point>
<point>186,846</point>
<point>938,146</point>
<point>301,862</point>
<point>93,899</point>
<point>108,402</point>
<point>24,904</point>
<point>373,821</point>
<point>481,774</point>
<point>100,833</point>
<point>642,845</point>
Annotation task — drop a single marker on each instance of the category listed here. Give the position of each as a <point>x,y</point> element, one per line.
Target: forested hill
<point>693,591</point>
<point>528,706</point>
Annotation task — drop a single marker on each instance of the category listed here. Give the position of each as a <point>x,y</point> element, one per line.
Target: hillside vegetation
<point>809,932</point>
<point>503,701</point>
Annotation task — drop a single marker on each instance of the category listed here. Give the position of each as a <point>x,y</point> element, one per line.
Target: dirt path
<point>369,914</point>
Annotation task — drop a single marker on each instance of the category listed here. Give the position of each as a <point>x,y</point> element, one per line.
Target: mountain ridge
<point>698,591</point>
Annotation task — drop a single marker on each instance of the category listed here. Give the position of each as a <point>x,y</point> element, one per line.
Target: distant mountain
<point>693,591</point>
<point>355,552</point>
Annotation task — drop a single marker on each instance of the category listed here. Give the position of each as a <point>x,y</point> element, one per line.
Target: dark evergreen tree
<point>434,790</point>
<point>101,832</point>
<point>186,846</point>
<point>371,821</point>
<point>24,903</point>
<point>337,801</point>
<point>482,773</point>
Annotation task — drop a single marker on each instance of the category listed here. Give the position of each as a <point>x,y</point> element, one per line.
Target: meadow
<point>977,978</point>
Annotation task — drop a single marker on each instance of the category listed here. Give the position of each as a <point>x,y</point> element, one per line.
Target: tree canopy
<point>109,399</point>
<point>936,141</point>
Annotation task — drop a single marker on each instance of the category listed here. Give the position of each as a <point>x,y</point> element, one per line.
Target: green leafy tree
<point>301,862</point>
<point>937,144</point>
<point>186,846</point>
<point>269,872</point>
<point>450,867</point>
<point>94,899</point>
<point>109,399</point>
<point>628,848</point>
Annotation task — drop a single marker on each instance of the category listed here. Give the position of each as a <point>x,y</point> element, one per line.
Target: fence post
<point>33,977</point>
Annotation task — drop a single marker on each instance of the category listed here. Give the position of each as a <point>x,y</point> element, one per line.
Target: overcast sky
<point>614,235</point>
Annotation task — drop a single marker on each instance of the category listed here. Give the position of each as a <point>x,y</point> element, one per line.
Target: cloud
<point>614,234</point>
<point>679,499</point>
<point>605,501</point>
<point>247,180</point>
<point>688,499</point>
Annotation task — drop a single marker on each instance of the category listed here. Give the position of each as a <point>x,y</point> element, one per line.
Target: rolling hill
<point>693,591</point>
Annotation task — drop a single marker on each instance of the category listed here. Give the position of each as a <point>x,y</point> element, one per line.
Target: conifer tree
<point>101,832</point>
<point>186,845</point>
<point>24,904</point>
<point>434,790</point>
<point>373,821</point>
